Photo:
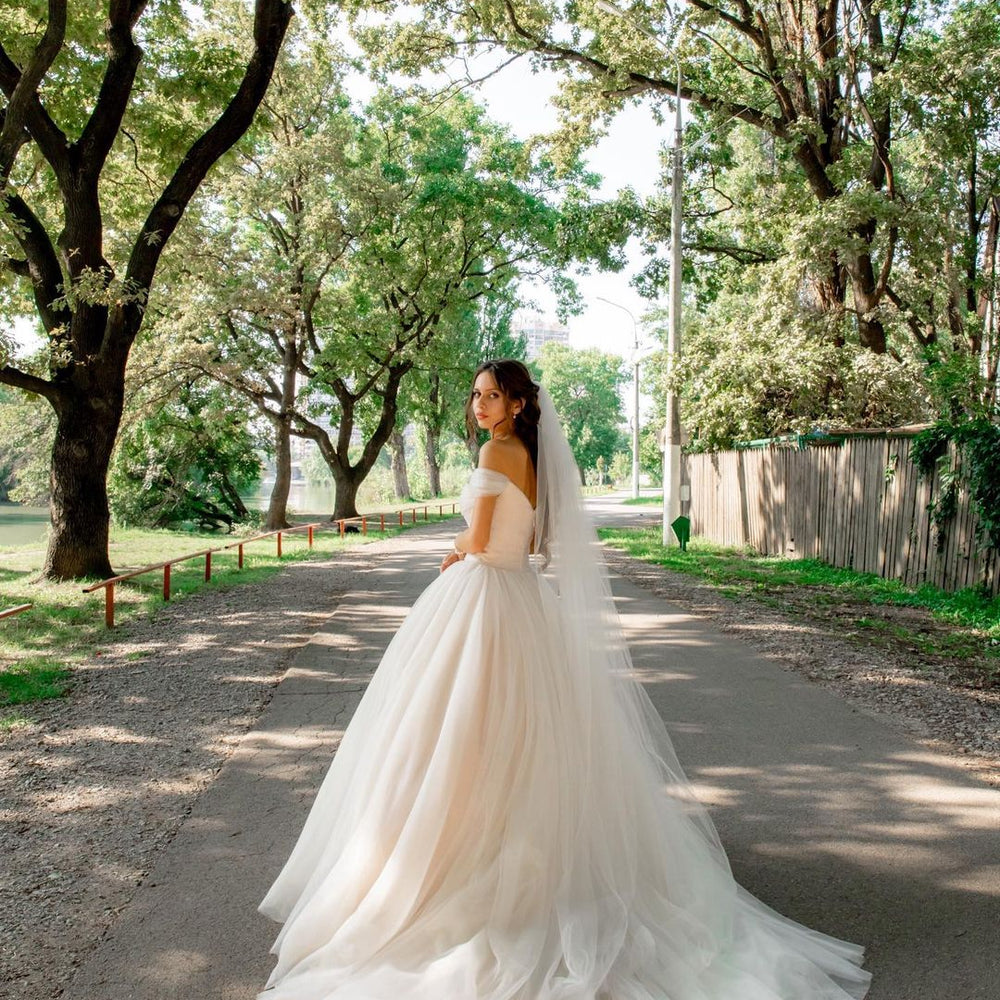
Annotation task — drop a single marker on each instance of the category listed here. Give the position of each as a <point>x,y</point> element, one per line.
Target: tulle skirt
<point>489,830</point>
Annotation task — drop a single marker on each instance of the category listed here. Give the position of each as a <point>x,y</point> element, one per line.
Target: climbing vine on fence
<point>977,443</point>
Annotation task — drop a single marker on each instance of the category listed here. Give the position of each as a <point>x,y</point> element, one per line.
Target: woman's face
<point>489,405</point>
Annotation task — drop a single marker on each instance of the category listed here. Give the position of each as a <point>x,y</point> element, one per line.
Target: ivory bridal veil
<point>505,817</point>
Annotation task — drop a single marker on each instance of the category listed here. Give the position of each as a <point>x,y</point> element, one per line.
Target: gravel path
<point>92,790</point>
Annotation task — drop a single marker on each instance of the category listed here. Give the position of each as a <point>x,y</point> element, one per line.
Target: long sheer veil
<point>576,568</point>
<point>641,820</point>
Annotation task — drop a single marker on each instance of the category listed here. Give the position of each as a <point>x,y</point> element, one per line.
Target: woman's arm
<point>476,537</point>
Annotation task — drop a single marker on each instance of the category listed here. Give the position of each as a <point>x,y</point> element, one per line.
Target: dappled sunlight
<point>101,733</point>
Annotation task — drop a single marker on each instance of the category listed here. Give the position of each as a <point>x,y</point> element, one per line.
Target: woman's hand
<point>450,559</point>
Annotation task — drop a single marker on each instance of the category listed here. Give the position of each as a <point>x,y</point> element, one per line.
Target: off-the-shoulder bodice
<point>513,519</point>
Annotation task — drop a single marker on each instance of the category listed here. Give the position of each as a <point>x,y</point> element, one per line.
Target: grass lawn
<point>39,647</point>
<point>654,500</point>
<point>961,628</point>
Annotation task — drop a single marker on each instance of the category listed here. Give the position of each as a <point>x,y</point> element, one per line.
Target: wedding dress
<point>505,818</point>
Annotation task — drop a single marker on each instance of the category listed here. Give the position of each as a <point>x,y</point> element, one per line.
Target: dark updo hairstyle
<point>514,380</point>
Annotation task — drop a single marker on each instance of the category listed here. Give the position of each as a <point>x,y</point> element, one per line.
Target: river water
<point>28,525</point>
<point>22,525</point>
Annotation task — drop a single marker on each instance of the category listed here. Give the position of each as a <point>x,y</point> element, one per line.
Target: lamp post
<point>635,379</point>
<point>672,431</point>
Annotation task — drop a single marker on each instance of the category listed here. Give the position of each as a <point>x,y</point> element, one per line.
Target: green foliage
<point>584,386</point>
<point>757,364</point>
<point>961,628</point>
<point>186,461</point>
<point>27,426</point>
<point>977,445</point>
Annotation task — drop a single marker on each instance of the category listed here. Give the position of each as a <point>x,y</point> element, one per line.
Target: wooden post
<point>364,525</point>
<point>109,606</point>
<point>279,544</point>
<point>310,533</point>
<point>413,515</point>
<point>239,549</point>
<point>208,566</point>
<point>425,512</point>
<point>381,522</point>
<point>401,519</point>
<point>166,581</point>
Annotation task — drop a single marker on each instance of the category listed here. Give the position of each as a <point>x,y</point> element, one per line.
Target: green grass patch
<point>656,500</point>
<point>39,648</point>
<point>962,625</point>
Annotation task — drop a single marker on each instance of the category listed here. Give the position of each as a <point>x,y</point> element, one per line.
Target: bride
<point>505,818</point>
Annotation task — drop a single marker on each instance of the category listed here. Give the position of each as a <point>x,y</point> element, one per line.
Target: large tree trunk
<point>277,508</point>
<point>87,424</point>
<point>400,478</point>
<point>431,439</point>
<point>345,503</point>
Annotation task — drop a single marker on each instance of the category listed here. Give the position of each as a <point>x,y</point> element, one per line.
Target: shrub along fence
<point>858,502</point>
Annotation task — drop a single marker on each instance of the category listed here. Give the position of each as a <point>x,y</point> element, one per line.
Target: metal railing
<point>10,612</point>
<point>364,520</point>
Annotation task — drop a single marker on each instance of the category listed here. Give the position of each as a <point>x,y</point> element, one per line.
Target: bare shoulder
<point>504,455</point>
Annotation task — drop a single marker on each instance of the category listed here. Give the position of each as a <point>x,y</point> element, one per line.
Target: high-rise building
<point>537,330</point>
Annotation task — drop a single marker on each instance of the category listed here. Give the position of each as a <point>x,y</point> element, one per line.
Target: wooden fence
<point>860,504</point>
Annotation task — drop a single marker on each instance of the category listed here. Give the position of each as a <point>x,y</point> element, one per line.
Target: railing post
<point>208,566</point>
<point>453,508</point>
<point>279,544</point>
<point>109,606</point>
<point>340,524</point>
<point>401,519</point>
<point>240,557</point>
<point>381,522</point>
<point>413,512</point>
<point>166,581</point>
<point>310,533</point>
<point>364,525</point>
<point>425,512</point>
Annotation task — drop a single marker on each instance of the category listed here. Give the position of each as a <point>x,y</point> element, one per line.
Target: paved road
<point>828,814</point>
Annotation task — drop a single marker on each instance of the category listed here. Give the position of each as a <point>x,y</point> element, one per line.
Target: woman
<point>505,818</point>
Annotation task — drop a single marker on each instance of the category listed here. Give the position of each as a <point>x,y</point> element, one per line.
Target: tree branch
<point>29,383</point>
<point>21,88</point>
<point>99,133</point>
<point>270,23</point>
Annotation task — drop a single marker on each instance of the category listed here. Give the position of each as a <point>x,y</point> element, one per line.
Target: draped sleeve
<point>482,483</point>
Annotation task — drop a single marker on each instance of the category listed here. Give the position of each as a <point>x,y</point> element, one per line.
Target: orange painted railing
<point>10,612</point>
<point>364,520</point>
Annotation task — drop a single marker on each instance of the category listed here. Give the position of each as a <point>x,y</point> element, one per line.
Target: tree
<point>342,269</point>
<point>185,460</point>
<point>834,92</point>
<point>66,175</point>
<point>585,389</point>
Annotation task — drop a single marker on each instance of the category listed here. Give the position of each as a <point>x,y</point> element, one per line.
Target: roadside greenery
<point>959,627</point>
<point>40,648</point>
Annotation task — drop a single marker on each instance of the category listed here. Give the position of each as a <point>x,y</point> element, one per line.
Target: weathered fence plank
<point>861,504</point>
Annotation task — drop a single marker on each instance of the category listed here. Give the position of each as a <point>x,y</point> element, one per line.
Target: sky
<point>629,155</point>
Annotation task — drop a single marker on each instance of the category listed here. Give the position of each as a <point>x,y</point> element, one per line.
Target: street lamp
<point>635,378</point>
<point>672,444</point>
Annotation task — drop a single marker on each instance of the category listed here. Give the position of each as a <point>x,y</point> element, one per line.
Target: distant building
<point>538,331</point>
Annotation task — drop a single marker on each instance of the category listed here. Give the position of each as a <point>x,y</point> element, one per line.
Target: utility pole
<point>672,445</point>
<point>672,431</point>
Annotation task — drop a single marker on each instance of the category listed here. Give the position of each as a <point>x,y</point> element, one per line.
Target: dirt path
<point>94,788</point>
